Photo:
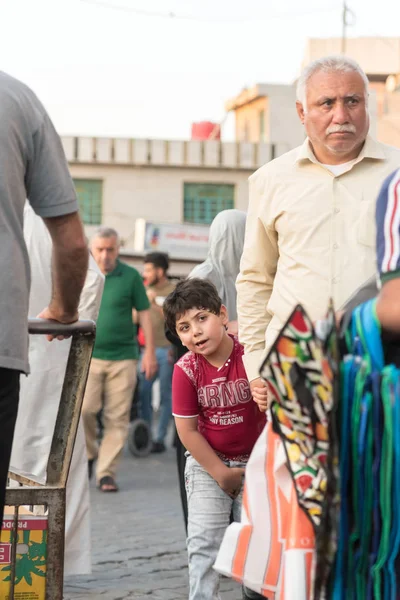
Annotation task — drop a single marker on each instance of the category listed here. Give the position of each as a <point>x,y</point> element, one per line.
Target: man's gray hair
<point>105,232</point>
<point>328,64</point>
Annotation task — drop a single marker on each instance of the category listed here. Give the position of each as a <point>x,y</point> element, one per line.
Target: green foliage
<point>30,563</point>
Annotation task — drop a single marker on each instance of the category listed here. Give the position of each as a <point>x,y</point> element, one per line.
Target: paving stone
<point>138,538</point>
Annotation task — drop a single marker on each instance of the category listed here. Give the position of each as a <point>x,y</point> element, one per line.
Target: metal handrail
<point>46,326</point>
<point>83,335</point>
<point>52,493</point>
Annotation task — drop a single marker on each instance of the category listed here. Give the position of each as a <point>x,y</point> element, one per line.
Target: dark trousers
<point>181,463</point>
<point>9,397</point>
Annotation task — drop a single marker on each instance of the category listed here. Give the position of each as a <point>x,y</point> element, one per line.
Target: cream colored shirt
<point>310,236</point>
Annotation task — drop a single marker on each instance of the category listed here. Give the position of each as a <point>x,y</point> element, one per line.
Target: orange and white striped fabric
<point>272,550</point>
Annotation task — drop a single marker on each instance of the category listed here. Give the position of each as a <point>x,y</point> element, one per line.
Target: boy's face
<point>202,331</point>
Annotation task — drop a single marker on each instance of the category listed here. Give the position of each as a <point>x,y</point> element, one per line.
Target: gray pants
<point>209,514</point>
<point>250,595</point>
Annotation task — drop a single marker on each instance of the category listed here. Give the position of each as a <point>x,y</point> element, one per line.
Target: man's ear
<point>300,111</point>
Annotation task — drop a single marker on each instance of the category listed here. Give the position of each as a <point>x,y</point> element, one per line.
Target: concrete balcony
<point>164,153</point>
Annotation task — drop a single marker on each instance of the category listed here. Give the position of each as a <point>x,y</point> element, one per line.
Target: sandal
<point>107,484</point>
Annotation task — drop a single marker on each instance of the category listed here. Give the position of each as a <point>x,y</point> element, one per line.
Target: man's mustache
<point>341,129</point>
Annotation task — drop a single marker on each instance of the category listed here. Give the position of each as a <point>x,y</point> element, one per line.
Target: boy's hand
<point>259,392</point>
<point>231,481</point>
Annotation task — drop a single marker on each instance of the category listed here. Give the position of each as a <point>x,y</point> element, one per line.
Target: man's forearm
<point>253,320</point>
<point>253,317</point>
<point>147,326</point>
<point>69,269</point>
<point>69,264</point>
<point>257,274</point>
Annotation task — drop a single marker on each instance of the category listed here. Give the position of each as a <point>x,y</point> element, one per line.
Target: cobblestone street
<point>138,538</point>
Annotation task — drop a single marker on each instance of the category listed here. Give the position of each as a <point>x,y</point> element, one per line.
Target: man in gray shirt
<point>33,166</point>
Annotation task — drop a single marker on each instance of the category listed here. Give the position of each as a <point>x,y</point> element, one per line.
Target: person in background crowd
<point>388,255</point>
<point>158,286</point>
<point>310,231</point>
<point>33,166</point>
<point>216,420</point>
<point>112,375</point>
<point>386,287</point>
<point>221,267</point>
<point>41,392</point>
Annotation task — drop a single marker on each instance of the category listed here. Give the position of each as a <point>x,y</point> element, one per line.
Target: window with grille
<point>203,201</point>
<point>89,192</point>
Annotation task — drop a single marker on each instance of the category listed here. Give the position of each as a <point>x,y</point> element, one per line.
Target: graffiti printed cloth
<point>300,381</point>
<point>369,526</point>
<point>271,551</point>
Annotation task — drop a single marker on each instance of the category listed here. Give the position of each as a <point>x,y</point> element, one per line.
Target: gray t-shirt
<point>33,166</point>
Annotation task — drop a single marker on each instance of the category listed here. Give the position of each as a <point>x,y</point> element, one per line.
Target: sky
<point>126,68</point>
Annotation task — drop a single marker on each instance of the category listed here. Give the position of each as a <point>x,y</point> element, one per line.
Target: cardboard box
<point>31,555</point>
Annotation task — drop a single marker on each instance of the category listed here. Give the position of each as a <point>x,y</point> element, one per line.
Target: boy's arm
<point>229,480</point>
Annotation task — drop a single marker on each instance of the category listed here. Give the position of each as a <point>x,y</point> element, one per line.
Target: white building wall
<point>376,55</point>
<point>153,193</point>
<point>286,130</point>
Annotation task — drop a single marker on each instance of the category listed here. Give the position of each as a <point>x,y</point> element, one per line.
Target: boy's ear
<point>224,314</point>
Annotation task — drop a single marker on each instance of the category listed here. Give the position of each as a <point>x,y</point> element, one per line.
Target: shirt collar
<point>117,271</point>
<point>371,149</point>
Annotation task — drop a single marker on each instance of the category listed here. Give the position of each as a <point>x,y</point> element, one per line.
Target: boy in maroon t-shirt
<point>217,421</point>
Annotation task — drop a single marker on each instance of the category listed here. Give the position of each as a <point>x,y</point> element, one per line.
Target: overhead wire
<point>222,20</point>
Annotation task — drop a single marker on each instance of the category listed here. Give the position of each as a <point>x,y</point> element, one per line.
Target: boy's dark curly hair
<point>188,294</point>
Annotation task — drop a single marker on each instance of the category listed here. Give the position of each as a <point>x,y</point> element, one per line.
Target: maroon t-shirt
<point>228,417</point>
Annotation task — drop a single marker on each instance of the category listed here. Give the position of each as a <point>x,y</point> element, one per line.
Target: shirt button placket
<point>335,257</point>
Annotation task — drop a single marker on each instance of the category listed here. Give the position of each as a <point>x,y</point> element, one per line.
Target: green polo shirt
<point>116,332</point>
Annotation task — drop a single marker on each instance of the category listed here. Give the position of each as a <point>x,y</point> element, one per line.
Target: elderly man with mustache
<point>310,232</point>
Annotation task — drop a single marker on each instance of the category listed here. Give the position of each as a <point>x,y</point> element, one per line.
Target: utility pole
<point>346,22</point>
<point>344,25</point>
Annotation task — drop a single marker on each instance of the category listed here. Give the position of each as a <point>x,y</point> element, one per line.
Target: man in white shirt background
<point>41,391</point>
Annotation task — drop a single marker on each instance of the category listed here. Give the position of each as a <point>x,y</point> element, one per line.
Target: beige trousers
<point>110,386</point>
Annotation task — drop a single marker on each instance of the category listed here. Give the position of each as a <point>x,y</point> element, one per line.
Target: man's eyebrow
<point>346,97</point>
<point>325,98</point>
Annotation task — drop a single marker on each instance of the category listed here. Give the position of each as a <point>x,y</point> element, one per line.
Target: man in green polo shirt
<point>112,376</point>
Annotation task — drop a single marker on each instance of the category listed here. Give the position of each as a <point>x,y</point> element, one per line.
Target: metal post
<point>52,493</point>
<point>69,410</point>
<point>55,545</point>
<point>14,552</point>
<point>344,25</point>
